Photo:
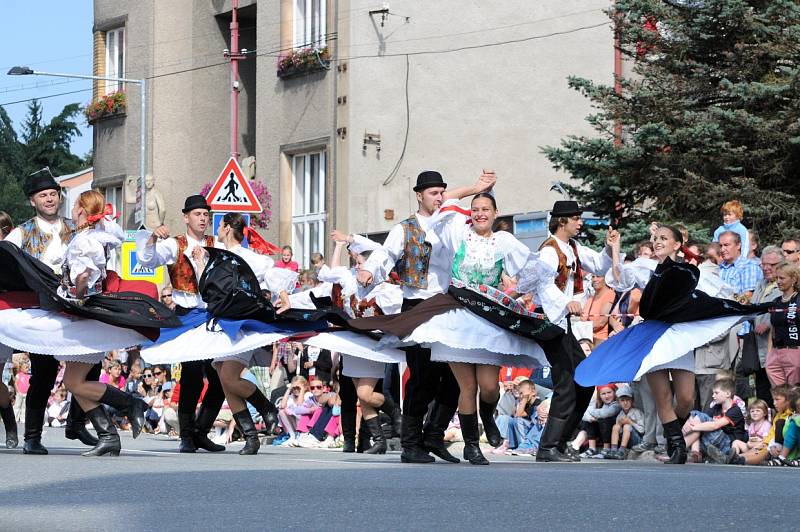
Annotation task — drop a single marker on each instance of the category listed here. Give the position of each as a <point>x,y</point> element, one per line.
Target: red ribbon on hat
<point>108,213</point>
<point>258,244</point>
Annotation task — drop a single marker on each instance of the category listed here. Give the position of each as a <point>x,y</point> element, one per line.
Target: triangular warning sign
<point>231,191</point>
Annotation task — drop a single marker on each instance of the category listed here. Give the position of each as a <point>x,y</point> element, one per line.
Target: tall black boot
<point>125,403</point>
<point>472,448</point>
<point>267,410</point>
<point>411,440</point>
<point>378,437</point>
<point>10,422</point>
<point>548,448</point>
<point>675,443</point>
<point>248,428</point>
<point>393,411</point>
<point>363,437</point>
<point>433,441</point>
<point>34,421</point>
<point>187,430</point>
<point>75,428</point>
<point>348,420</point>
<point>486,411</point>
<point>202,425</point>
<point>108,439</point>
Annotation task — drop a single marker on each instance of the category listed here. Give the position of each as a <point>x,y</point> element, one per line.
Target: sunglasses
<point>315,387</point>
<point>789,251</point>
<point>147,375</point>
<point>158,373</point>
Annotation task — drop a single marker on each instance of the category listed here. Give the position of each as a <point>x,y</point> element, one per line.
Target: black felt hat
<point>565,208</point>
<point>37,183</point>
<point>197,201</point>
<point>428,179</point>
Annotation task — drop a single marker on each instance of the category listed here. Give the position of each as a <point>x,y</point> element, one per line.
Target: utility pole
<point>234,55</point>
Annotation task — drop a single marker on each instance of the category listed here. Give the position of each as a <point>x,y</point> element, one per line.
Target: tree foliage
<point>39,144</point>
<point>709,112</point>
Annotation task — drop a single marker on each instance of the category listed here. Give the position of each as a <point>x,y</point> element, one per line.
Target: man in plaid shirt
<point>736,270</point>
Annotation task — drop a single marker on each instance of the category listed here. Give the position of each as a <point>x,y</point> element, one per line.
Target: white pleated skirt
<point>62,336</point>
<point>361,368</point>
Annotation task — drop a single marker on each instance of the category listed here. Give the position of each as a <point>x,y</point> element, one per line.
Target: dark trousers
<point>391,382</point>
<point>599,430</point>
<point>764,387</point>
<point>428,381</point>
<point>318,430</point>
<point>192,386</point>
<point>569,399</point>
<point>349,410</point>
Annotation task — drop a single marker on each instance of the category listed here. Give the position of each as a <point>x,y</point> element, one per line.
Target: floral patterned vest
<point>565,271</point>
<point>181,273</point>
<point>34,241</point>
<point>412,268</point>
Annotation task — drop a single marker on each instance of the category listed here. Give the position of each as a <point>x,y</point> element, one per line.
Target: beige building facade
<point>378,92</point>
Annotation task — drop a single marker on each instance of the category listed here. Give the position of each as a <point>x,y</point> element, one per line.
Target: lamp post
<point>139,218</point>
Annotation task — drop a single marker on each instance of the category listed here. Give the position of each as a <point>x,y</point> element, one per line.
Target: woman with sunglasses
<point>683,309</point>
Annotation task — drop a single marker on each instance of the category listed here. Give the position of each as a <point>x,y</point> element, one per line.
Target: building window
<point>113,196</point>
<point>309,23</point>
<point>308,205</point>
<point>115,59</point>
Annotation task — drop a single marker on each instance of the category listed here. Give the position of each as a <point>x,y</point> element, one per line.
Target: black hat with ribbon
<point>428,179</point>
<point>198,201</point>
<point>39,182</point>
<point>565,208</point>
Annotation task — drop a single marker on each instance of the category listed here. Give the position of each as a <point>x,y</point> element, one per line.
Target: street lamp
<point>141,203</point>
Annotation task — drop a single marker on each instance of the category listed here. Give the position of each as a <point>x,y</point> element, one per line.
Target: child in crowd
<point>757,427</point>
<point>718,427</point>
<point>587,346</point>
<point>297,403</point>
<point>732,215</point>
<point>514,427</point>
<point>783,396</point>
<point>629,428</point>
<point>59,408</point>
<point>598,421</point>
<point>724,374</point>
<point>790,453</point>
<point>530,443</point>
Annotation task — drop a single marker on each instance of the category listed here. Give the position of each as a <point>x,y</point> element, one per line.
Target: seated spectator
<point>113,375</point>
<point>530,442</point>
<point>59,408</point>
<point>513,428</point>
<point>324,426</point>
<point>297,403</point>
<point>453,431</point>
<point>509,396</point>
<point>782,396</point>
<point>757,426</point>
<point>790,454</point>
<point>168,399</point>
<point>598,421</point>
<point>629,427</point>
<point>134,379</point>
<point>717,427</point>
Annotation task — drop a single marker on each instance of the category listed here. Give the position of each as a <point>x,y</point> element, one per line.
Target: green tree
<point>710,112</point>
<point>41,144</point>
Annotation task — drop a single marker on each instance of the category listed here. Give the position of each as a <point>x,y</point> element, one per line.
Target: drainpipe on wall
<point>334,137</point>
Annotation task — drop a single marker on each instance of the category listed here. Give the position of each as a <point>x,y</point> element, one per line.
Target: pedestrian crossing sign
<point>231,191</point>
<point>133,271</point>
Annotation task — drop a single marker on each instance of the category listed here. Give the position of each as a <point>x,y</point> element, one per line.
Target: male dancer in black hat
<point>569,260</point>
<point>184,257</point>
<point>423,272</point>
<point>46,236</point>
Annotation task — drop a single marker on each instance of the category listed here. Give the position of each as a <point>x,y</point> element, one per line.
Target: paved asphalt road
<point>152,487</point>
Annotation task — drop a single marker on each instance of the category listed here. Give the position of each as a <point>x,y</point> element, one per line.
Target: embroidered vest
<point>412,268</point>
<point>34,241</point>
<point>564,271</point>
<point>353,307</point>
<point>181,272</point>
<point>98,288</point>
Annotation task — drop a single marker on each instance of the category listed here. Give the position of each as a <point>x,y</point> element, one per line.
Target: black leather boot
<point>378,437</point>
<point>10,422</point>
<point>132,407</point>
<point>435,426</point>
<point>267,410</point>
<point>108,439</point>
<point>245,422</point>
<point>349,432</point>
<point>676,445</point>
<point>363,437</point>
<point>75,428</point>
<point>187,430</point>
<point>412,442</point>
<point>205,419</point>
<point>393,411</point>
<point>472,448</point>
<point>34,421</point>
<point>548,449</point>
<point>486,411</point>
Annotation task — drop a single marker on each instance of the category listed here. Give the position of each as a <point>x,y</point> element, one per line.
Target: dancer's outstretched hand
<point>340,236</point>
<point>364,277</point>
<point>486,181</point>
<point>613,239</point>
